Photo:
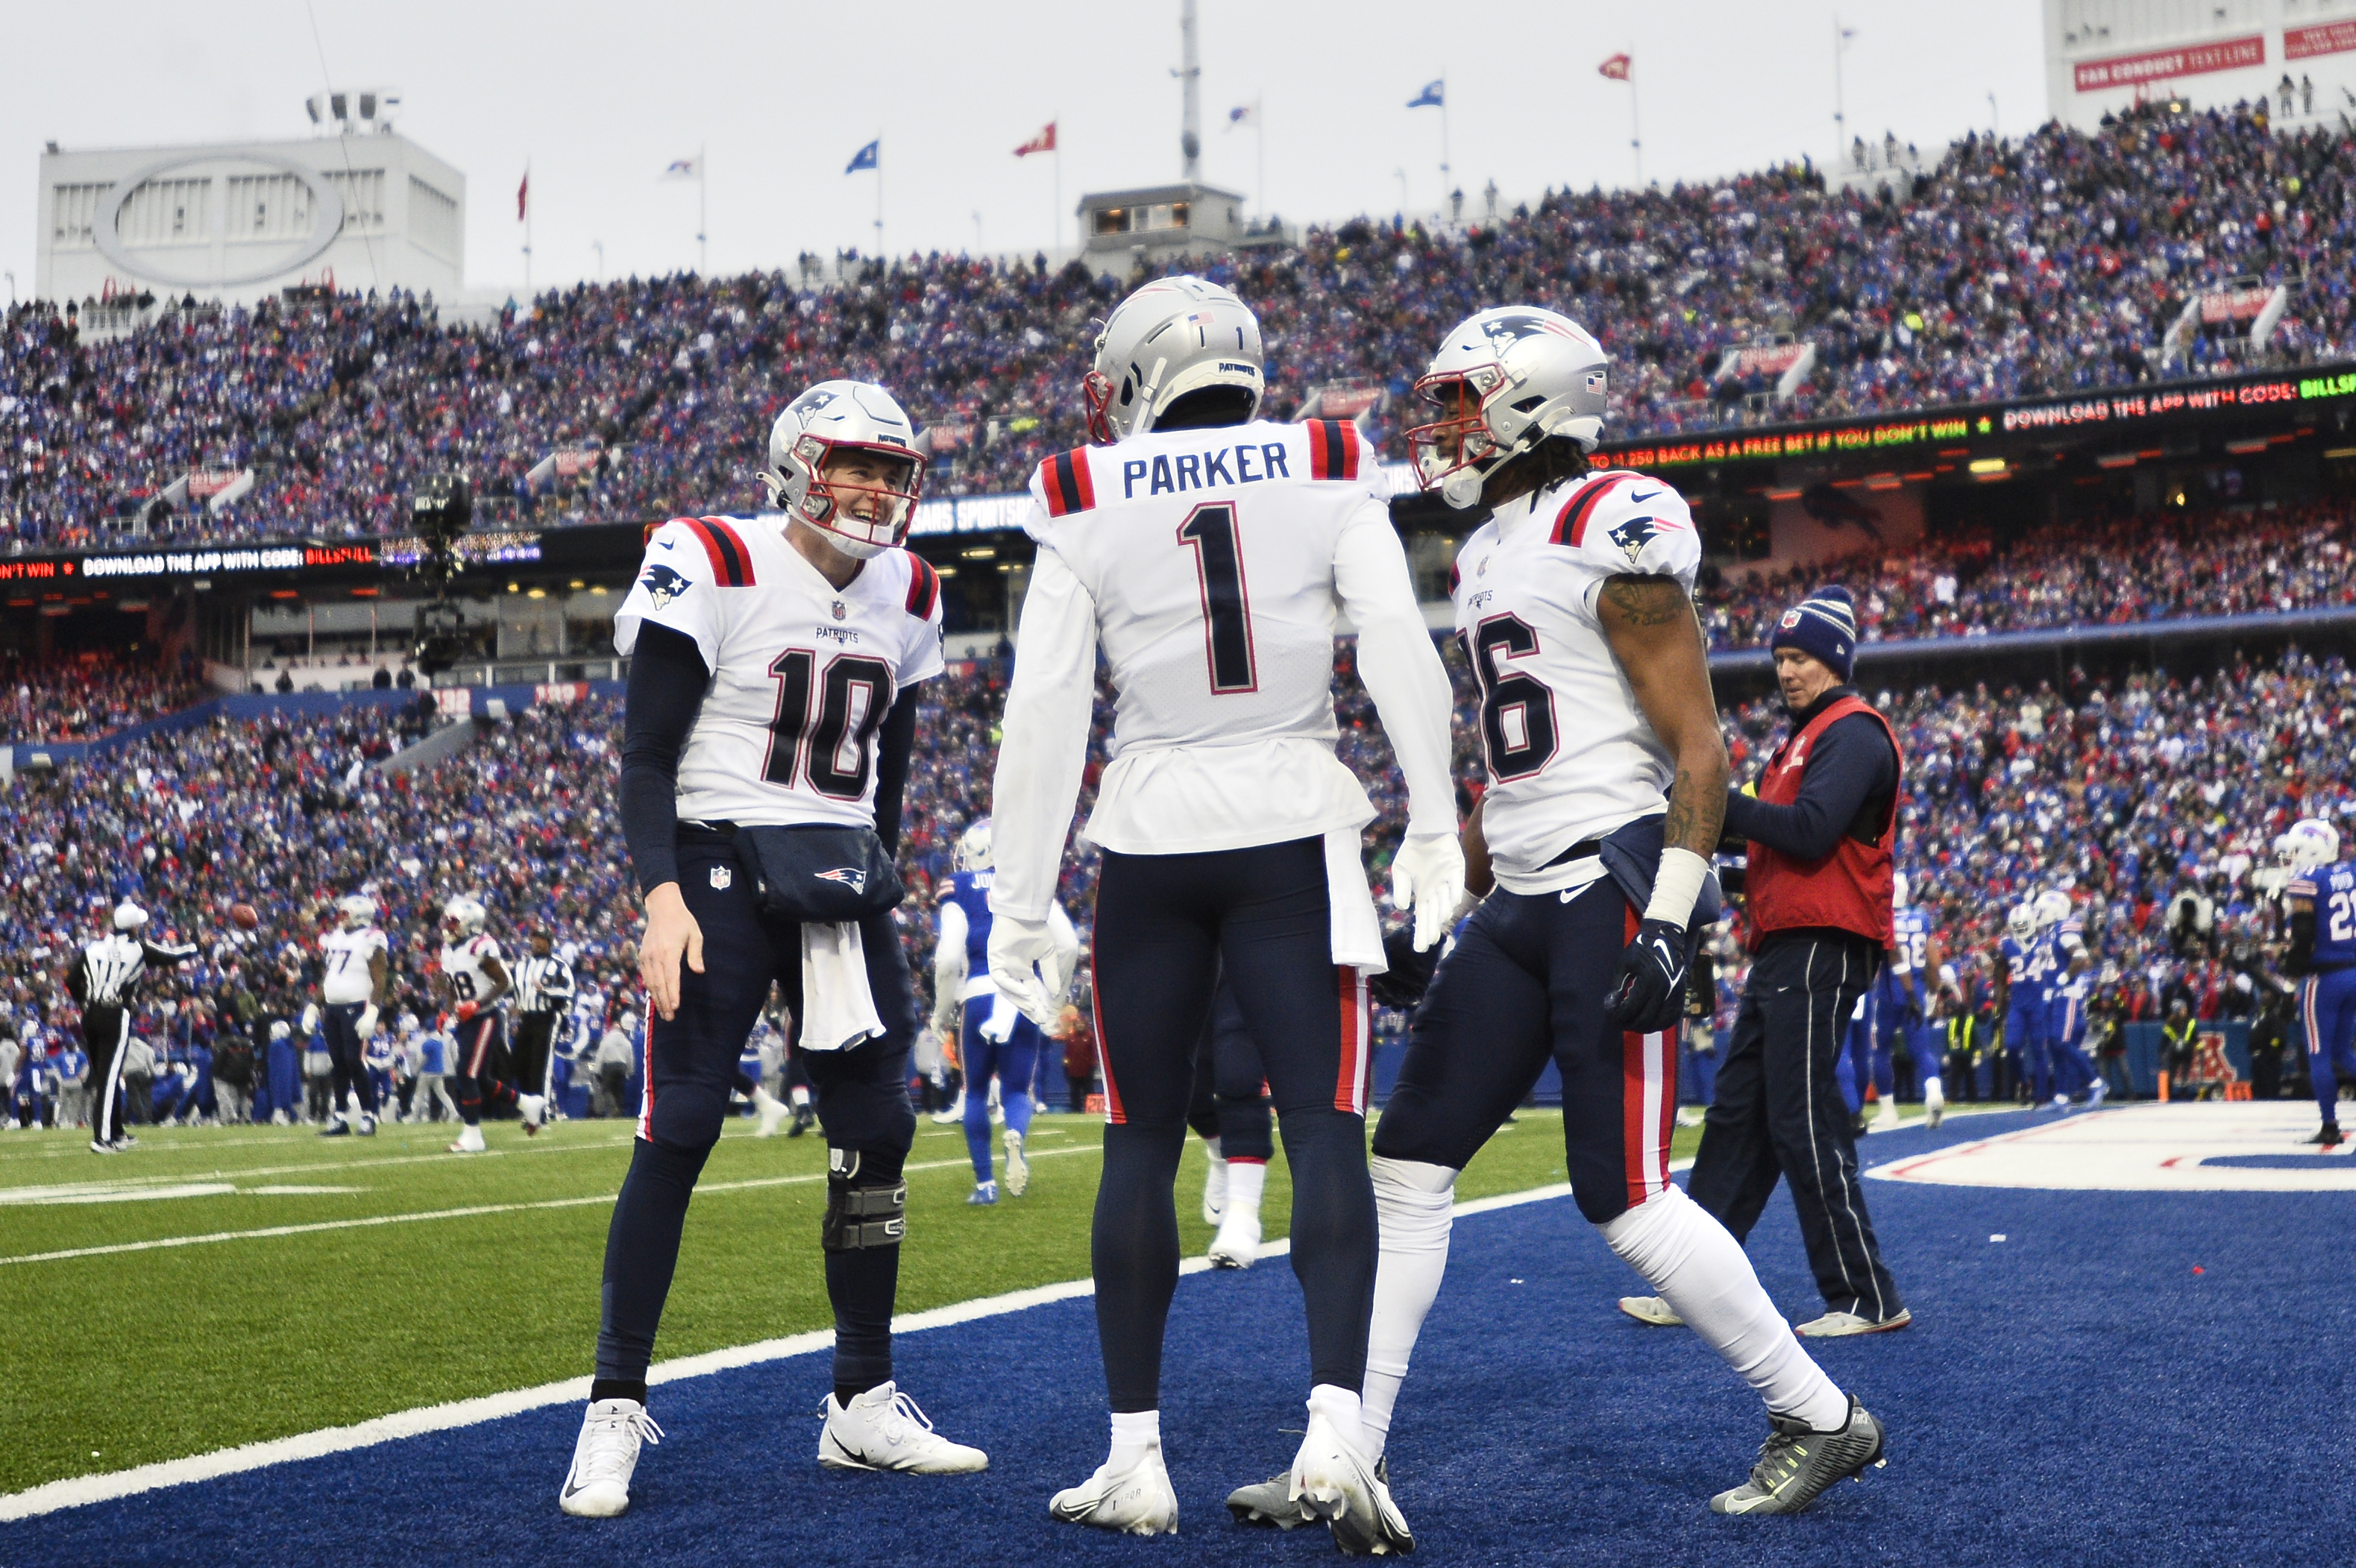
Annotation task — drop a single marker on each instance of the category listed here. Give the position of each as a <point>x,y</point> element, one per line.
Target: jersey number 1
<point>1210,530</point>
<point>854,691</point>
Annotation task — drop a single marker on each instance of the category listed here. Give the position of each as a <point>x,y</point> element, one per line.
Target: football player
<point>476,979</point>
<point>1209,554</point>
<point>2321,899</point>
<point>774,667</point>
<point>1608,784</point>
<point>1229,1109</point>
<point>354,958</point>
<point>2017,1001</point>
<point>2051,1069</point>
<point>994,1039</point>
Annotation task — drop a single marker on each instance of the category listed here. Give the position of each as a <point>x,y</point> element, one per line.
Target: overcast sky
<point>598,98</point>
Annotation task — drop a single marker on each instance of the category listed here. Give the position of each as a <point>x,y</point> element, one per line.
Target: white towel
<point>838,1009</point>
<point>1357,931</point>
<point>999,1028</point>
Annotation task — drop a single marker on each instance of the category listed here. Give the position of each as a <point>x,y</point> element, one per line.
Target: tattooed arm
<point>1657,640</point>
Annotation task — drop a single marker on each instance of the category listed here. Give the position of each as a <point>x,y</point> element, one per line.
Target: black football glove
<point>1651,992</point>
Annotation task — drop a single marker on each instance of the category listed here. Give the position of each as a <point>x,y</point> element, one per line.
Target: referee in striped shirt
<point>543,991</point>
<point>103,981</point>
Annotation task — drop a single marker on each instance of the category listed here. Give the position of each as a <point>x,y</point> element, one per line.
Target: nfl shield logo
<point>722,877</point>
<point>838,611</point>
<point>1791,619</point>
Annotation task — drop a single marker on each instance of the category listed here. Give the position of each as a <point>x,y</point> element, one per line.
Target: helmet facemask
<point>804,491</point>
<point>1457,452</point>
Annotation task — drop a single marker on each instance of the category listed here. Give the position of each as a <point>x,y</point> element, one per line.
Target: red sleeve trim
<point>923,587</point>
<point>1333,448</point>
<point>1571,523</point>
<point>1069,486</point>
<point>731,563</point>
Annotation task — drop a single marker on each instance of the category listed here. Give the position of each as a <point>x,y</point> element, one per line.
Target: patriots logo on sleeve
<point>663,584</point>
<point>1634,534</point>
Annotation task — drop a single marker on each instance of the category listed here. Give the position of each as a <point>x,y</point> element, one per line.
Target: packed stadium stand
<point>2058,261</point>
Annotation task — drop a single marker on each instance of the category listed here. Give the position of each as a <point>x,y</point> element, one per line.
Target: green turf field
<point>126,1357</point>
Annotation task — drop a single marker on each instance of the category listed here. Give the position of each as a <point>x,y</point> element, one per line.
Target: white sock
<point>1704,1275</point>
<point>800,1096</point>
<point>1134,1433</point>
<point>1246,1178</point>
<point>1412,1204</point>
<point>1342,1411</point>
<point>1931,1089</point>
<point>764,1101</point>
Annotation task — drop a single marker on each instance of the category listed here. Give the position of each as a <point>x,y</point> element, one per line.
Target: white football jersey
<point>347,954</point>
<point>1570,755</point>
<point>803,674</point>
<point>470,979</point>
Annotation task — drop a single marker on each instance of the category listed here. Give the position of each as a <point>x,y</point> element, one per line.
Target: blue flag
<point>868,157</point>
<point>1429,98</point>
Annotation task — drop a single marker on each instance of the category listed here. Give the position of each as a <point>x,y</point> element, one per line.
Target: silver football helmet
<point>973,846</point>
<point>2052,908</point>
<point>846,416</point>
<point>1174,337</point>
<point>1504,380</point>
<point>463,917</point>
<point>2310,842</point>
<point>358,910</point>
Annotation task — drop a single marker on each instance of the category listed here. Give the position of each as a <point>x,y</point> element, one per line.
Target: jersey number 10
<point>853,694</point>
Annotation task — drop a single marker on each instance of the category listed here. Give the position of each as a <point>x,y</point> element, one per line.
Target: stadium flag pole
<point>702,209</point>
<point>1056,228</point>
<point>1260,145</point>
<point>1444,176</point>
<point>1635,128</point>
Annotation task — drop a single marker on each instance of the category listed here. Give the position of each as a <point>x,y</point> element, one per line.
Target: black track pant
<point>533,1034</point>
<point>105,1031</point>
<point>1230,1101</point>
<point>692,1067</point>
<point>1779,1113</point>
<point>1165,926</point>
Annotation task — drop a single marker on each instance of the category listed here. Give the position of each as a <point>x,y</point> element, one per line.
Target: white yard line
<point>267,1232</point>
<point>83,1490</point>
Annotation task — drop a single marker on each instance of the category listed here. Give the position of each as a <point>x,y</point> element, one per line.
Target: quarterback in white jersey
<point>1607,786</point>
<point>353,956</point>
<point>1209,554</point>
<point>773,662</point>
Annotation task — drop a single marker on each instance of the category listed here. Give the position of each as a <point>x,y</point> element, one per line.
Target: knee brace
<point>862,1215</point>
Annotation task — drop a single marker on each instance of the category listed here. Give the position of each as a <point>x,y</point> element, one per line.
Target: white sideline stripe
<point>83,1490</point>
<point>310,1227</point>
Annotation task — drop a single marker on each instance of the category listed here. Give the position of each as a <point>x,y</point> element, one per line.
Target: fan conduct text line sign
<point>2166,65</point>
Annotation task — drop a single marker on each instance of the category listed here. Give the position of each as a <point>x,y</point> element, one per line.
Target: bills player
<point>2321,900</point>
<point>994,1039</point>
<point>1209,554</point>
<point>476,979</point>
<point>774,667</point>
<point>2023,1026</point>
<point>2051,1078</point>
<point>1607,786</point>
<point>354,958</point>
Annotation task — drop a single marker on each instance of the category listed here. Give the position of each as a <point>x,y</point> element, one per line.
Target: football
<point>245,915</point>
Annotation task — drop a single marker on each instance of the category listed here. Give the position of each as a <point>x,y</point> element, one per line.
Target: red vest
<point>1848,888</point>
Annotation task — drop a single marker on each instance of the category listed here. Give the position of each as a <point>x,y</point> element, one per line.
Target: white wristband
<point>1675,885</point>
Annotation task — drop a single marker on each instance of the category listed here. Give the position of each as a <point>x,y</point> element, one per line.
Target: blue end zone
<point>2075,1394</point>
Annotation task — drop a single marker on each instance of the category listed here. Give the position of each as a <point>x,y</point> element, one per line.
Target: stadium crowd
<point>2051,262</point>
<point>2153,801</point>
<point>87,695</point>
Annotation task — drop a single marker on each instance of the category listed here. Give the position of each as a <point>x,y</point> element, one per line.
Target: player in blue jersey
<point>994,1038</point>
<point>2073,1070</point>
<point>2058,937</point>
<point>2321,895</point>
<point>2018,1002</point>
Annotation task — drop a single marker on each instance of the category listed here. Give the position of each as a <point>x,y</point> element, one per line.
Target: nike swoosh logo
<point>664,544</point>
<point>571,1489</point>
<point>1646,496</point>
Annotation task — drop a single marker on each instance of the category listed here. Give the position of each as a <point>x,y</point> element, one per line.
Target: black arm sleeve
<point>78,978</point>
<point>668,680</point>
<point>1851,767</point>
<point>892,752</point>
<point>2301,956</point>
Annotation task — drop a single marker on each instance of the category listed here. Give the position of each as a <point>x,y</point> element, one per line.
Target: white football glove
<point>1016,947</point>
<point>1427,875</point>
<point>367,1024</point>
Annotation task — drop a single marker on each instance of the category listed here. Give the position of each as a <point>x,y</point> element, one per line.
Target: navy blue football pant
<point>1525,986</point>
<point>482,1068</point>
<point>1779,1115</point>
<point>1164,926</point>
<point>2022,1045</point>
<point>2327,1007</point>
<point>1230,1098</point>
<point>1013,1062</point>
<point>340,1022</point>
<point>691,1068</point>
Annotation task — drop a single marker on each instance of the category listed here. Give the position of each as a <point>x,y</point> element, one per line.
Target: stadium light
<point>1988,465</point>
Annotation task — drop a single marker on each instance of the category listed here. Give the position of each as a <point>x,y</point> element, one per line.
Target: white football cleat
<point>1841,1325</point>
<point>534,1109</point>
<point>1017,1169</point>
<point>1139,1501</point>
<point>598,1485</point>
<point>470,1141</point>
<point>1652,1310</point>
<point>1885,1119</point>
<point>1333,1482</point>
<point>1935,1104</point>
<point>774,1113</point>
<point>1237,1243</point>
<point>1214,1190</point>
<point>882,1429</point>
<point>956,1111</point>
<point>2096,1092</point>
